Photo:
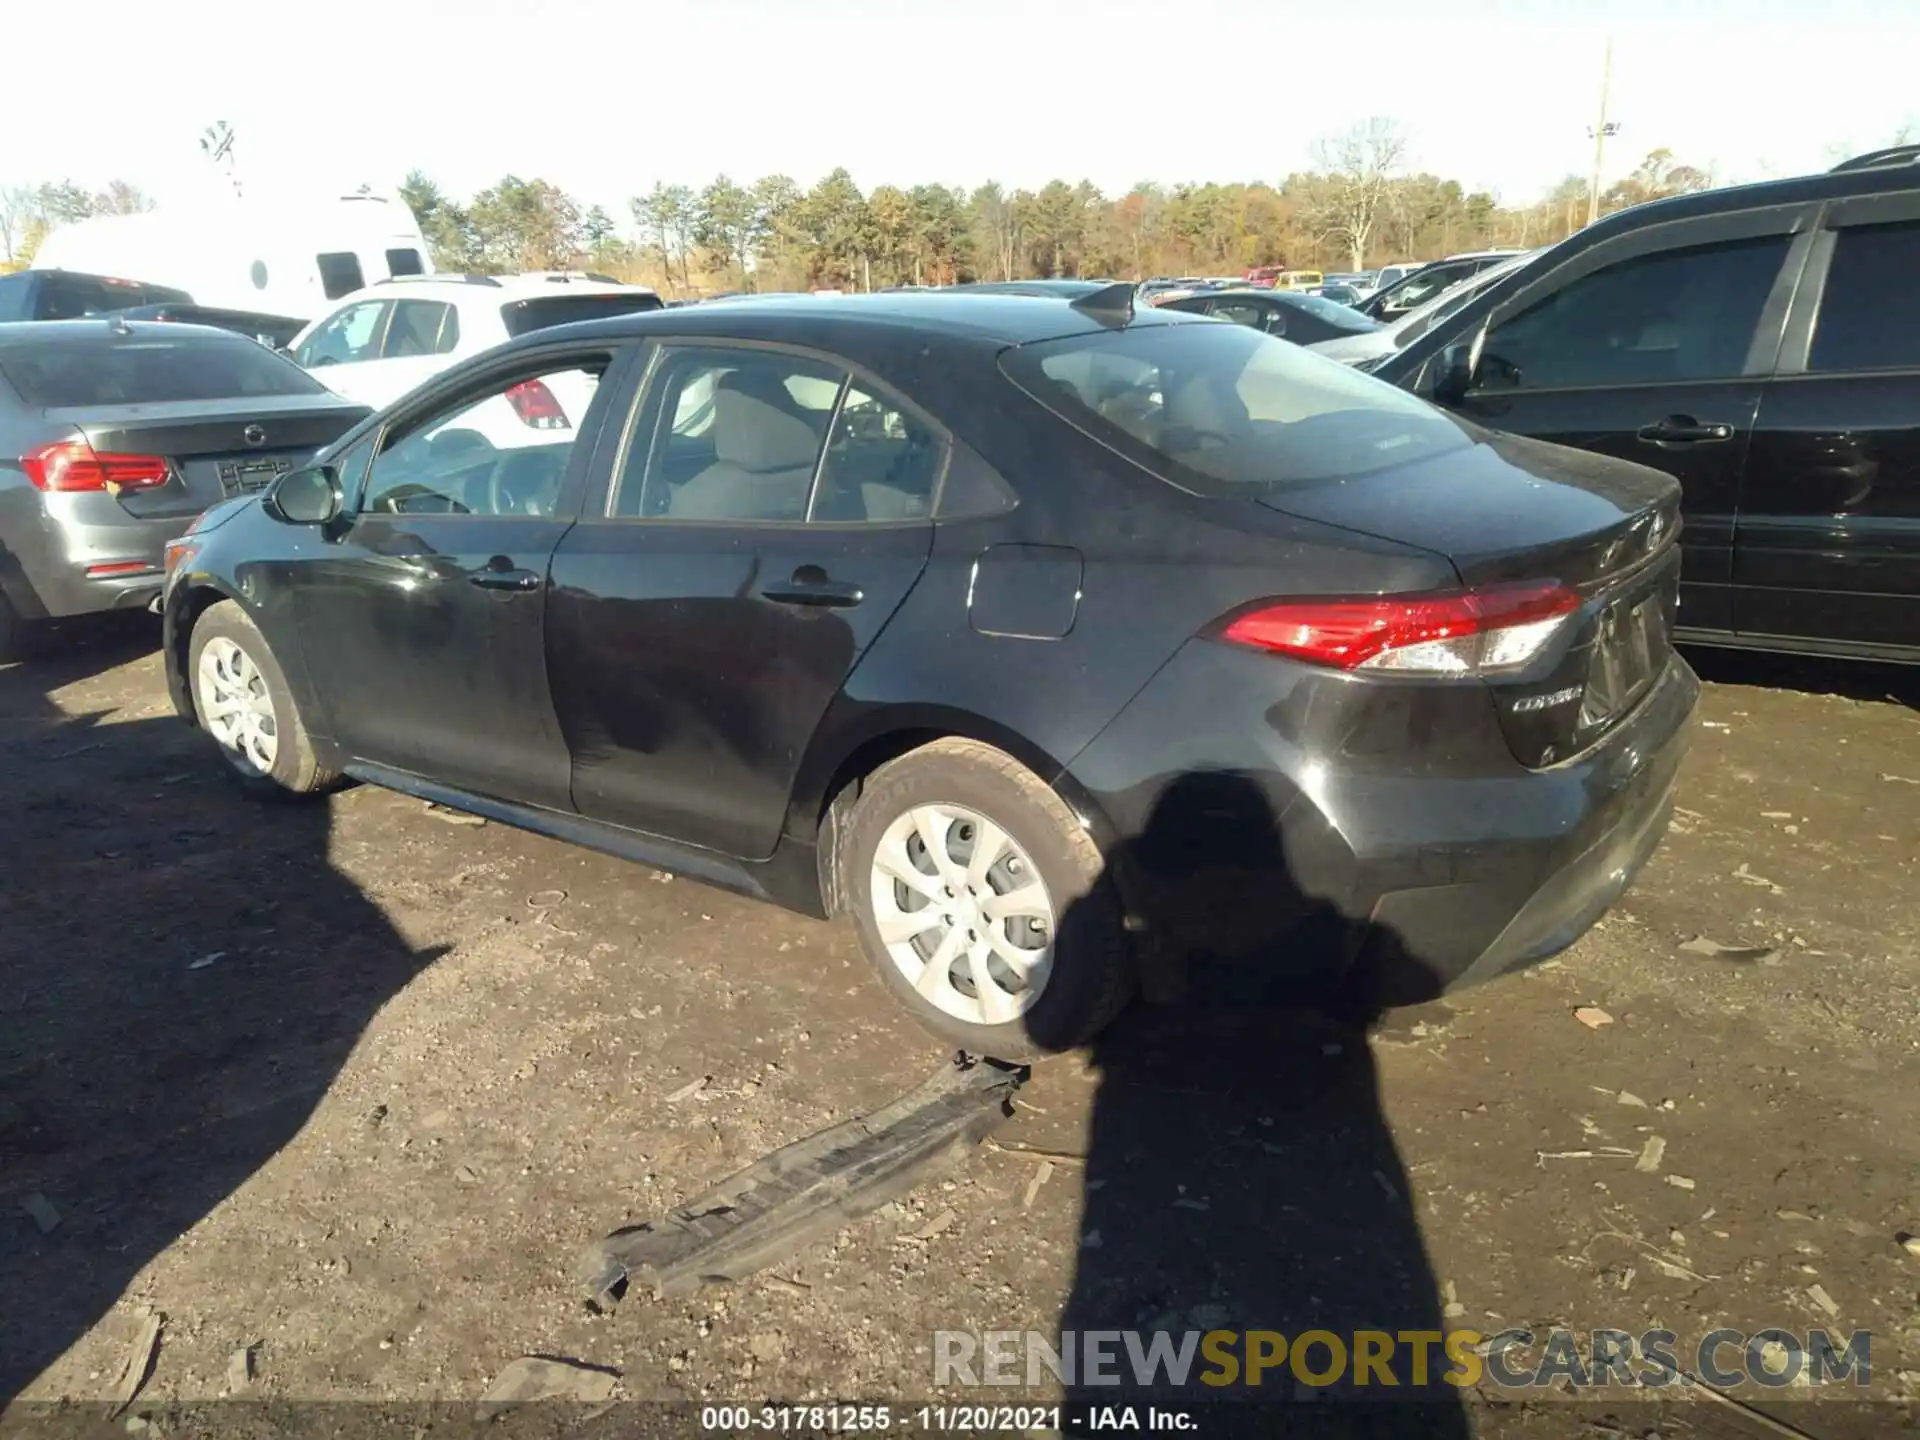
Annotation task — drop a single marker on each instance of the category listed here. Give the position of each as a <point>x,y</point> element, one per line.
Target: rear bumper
<point>1381,841</point>
<point>54,541</point>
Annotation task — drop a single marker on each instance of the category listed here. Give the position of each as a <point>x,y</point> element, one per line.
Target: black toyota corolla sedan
<point>1060,645</point>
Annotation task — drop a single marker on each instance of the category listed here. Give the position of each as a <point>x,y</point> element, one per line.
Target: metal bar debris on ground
<point>807,1190</point>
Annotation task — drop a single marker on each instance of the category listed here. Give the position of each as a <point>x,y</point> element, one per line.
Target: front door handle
<point>1684,430</point>
<point>811,585</point>
<point>491,579</point>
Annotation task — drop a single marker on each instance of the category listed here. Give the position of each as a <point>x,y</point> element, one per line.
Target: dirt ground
<point>355,1084</point>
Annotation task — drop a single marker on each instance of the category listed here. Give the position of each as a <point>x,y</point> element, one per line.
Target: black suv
<point>1762,345</point>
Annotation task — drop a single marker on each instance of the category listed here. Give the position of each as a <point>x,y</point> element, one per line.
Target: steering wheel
<point>509,494</point>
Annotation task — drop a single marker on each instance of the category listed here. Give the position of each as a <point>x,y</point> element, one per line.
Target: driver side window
<point>505,453</point>
<point>354,334</point>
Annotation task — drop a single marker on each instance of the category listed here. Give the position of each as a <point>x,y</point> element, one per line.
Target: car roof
<point>503,289</point>
<point>991,316</point>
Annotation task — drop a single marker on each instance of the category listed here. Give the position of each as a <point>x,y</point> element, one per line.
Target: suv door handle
<point>1683,430</point>
<point>810,585</point>
<point>491,579</point>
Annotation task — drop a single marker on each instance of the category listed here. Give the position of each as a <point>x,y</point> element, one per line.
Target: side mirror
<point>1453,373</point>
<point>305,497</point>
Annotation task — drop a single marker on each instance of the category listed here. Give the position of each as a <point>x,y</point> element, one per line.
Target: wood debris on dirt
<point>1592,1016</point>
<point>546,1377</point>
<point>146,1349</point>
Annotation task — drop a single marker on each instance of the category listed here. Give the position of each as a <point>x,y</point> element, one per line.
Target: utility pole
<point>1600,132</point>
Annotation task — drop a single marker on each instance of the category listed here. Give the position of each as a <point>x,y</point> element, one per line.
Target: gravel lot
<point>356,1084</point>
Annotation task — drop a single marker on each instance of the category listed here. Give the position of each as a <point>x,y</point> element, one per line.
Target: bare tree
<point>1359,166</point>
<point>19,208</point>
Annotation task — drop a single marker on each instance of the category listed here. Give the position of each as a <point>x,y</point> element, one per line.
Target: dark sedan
<point>1292,314</point>
<point>1052,642</point>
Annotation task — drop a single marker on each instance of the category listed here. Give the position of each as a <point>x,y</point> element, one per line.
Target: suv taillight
<point>1473,632</point>
<point>533,402</point>
<point>73,465</point>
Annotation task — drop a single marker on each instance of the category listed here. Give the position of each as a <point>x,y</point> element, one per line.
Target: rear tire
<point>983,904</point>
<point>241,699</point>
<point>20,638</point>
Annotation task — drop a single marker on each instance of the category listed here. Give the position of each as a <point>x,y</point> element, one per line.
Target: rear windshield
<point>1216,408</point>
<point>143,369</point>
<point>525,315</point>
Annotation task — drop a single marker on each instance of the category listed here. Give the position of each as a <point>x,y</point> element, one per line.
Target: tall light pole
<point>1601,130</point>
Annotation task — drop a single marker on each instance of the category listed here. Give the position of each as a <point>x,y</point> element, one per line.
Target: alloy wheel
<point>236,707</point>
<point>963,912</point>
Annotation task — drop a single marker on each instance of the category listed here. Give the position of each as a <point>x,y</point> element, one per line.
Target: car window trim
<point>599,509</point>
<point>478,383</point>
<point>1852,213</point>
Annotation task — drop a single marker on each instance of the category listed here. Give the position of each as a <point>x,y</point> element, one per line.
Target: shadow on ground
<point>1852,679</point>
<point>1240,1175</point>
<point>182,974</point>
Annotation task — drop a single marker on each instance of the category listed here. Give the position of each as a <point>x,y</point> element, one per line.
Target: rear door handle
<point>811,585</point>
<point>506,579</point>
<point>1684,430</point>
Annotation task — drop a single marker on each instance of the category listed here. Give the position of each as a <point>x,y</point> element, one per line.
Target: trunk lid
<point>1512,509</point>
<point>217,448</point>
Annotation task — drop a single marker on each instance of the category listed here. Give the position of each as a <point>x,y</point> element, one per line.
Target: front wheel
<point>983,904</point>
<point>241,697</point>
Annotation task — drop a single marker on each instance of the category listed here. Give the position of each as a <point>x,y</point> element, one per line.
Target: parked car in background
<point>1045,289</point>
<point>869,643</point>
<point>1389,276</point>
<point>1761,344</point>
<point>114,436</point>
<point>376,344</point>
<point>275,332</point>
<point>284,255</point>
<point>1414,290</point>
<point>1368,349</point>
<point>1339,294</point>
<point>1291,314</point>
<point>66,295</point>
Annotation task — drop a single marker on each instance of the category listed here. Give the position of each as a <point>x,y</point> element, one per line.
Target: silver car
<point>114,436</point>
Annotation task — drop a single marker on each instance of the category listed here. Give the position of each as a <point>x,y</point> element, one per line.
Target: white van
<point>278,257</point>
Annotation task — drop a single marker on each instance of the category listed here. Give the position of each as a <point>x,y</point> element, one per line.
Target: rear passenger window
<point>733,435</point>
<point>1870,313</point>
<point>421,327</point>
<point>1676,315</point>
<point>882,464</point>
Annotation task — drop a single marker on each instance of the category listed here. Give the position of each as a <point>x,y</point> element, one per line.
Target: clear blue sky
<point>605,97</point>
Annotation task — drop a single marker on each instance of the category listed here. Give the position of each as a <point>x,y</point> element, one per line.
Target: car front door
<point>1828,547</point>
<point>1654,349</point>
<point>422,612</point>
<point>343,348</point>
<point>768,514</point>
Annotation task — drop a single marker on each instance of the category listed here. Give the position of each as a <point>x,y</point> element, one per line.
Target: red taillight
<point>74,465</point>
<point>1465,633</point>
<point>533,402</point>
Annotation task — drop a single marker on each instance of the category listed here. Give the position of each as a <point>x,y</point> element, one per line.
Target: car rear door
<point>1654,348</point>
<point>767,514</point>
<point>1828,544</point>
<point>422,611</point>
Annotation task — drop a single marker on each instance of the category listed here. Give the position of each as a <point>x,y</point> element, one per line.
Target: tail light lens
<point>69,466</point>
<point>533,402</point>
<point>1474,632</point>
